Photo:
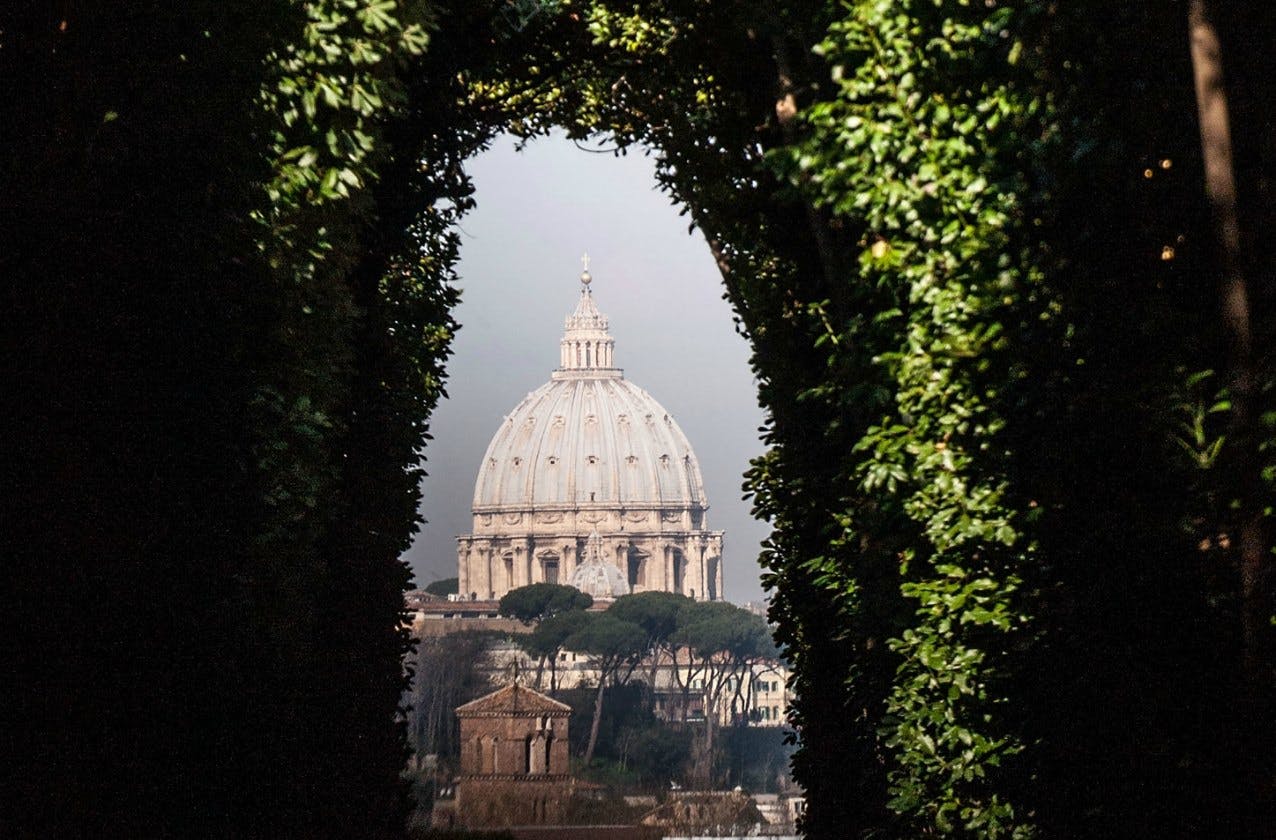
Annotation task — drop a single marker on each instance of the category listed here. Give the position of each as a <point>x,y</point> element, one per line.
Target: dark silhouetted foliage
<point>1019,480</point>
<point>538,601</point>
<point>226,332</point>
<point>443,587</point>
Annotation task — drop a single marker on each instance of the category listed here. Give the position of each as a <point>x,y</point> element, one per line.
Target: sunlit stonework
<point>590,452</point>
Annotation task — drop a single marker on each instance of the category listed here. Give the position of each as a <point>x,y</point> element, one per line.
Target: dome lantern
<point>586,347</point>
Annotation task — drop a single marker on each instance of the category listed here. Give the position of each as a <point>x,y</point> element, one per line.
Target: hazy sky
<point>538,211</point>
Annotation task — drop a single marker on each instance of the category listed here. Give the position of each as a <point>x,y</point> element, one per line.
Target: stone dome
<point>583,440</point>
<point>588,437</point>
<point>597,579</point>
<point>590,481</point>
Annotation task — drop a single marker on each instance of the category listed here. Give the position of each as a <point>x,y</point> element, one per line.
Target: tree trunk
<point>786,112</point>
<point>598,715</point>
<point>651,679</point>
<point>747,700</point>
<point>710,726</point>
<point>1220,190</point>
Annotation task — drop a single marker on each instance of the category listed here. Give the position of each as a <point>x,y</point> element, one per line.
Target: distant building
<point>759,696</point>
<point>514,761</point>
<point>430,615</point>
<point>708,813</point>
<point>756,696</point>
<point>589,481</point>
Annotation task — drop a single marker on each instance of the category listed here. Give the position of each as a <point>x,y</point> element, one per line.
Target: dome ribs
<point>574,420</point>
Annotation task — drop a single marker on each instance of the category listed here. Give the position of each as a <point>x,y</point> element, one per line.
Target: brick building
<point>514,761</point>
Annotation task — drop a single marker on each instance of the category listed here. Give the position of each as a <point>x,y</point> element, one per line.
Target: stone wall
<point>498,802</point>
<point>503,556</point>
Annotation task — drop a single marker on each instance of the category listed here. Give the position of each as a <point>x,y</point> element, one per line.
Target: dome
<point>581,441</point>
<point>588,437</point>
<point>589,481</point>
<point>597,579</point>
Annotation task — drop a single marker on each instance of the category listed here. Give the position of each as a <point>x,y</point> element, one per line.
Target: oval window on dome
<point>517,461</point>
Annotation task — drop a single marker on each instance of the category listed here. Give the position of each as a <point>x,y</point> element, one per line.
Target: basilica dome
<point>589,437</point>
<point>589,451</point>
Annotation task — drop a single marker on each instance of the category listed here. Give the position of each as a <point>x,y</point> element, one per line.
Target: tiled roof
<point>513,699</point>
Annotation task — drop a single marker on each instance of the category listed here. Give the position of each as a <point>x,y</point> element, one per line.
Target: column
<point>695,563</point>
<point>568,568</point>
<point>715,560</point>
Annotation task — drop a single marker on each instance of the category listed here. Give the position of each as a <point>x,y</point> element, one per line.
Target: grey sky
<point>538,210</point>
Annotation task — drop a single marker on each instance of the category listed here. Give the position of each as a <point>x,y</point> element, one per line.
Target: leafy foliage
<point>538,601</point>
<point>614,646</point>
<point>921,98</point>
<point>902,200</point>
<point>614,642</point>
<point>966,242</point>
<point>657,613</point>
<point>549,638</point>
<point>443,587</point>
<point>200,223</point>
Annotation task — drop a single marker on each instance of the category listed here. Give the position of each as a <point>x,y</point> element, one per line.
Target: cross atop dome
<point>585,277</point>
